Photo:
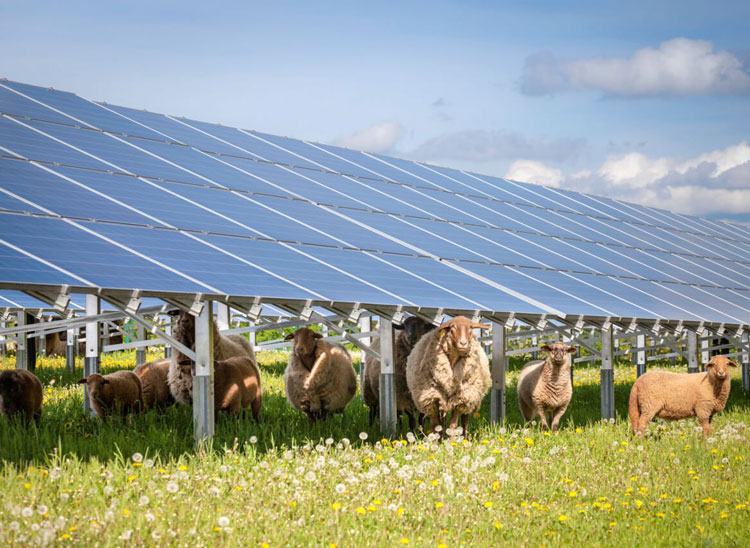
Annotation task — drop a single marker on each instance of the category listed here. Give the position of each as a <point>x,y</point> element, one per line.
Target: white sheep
<point>409,334</point>
<point>675,396</point>
<point>181,378</point>
<point>319,378</point>
<point>447,371</point>
<point>544,386</point>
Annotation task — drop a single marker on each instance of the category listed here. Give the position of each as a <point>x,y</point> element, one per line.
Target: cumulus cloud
<point>677,67</point>
<point>528,171</point>
<point>378,138</point>
<point>715,183</point>
<point>485,146</point>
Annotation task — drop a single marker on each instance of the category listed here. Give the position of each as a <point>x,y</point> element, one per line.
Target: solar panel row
<point>245,213</point>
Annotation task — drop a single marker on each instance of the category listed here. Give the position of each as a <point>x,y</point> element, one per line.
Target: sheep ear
<point>477,325</point>
<point>545,348</point>
<point>289,337</point>
<point>82,381</point>
<point>572,350</point>
<point>446,325</point>
<point>318,335</point>
<point>398,326</point>
<point>709,364</point>
<point>732,364</point>
<point>105,381</point>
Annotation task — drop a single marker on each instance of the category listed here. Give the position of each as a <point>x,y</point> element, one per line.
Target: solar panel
<point>93,194</point>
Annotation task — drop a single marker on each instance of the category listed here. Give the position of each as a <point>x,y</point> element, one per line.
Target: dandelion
<point>529,441</point>
<point>41,509</point>
<point>148,463</point>
<point>340,488</point>
<point>172,487</point>
<point>310,476</point>
<point>253,439</point>
<point>27,512</point>
<point>223,521</point>
<point>143,501</point>
<point>363,436</point>
<point>336,506</point>
<point>438,505</point>
<point>563,517</point>
<point>329,441</point>
<point>14,526</point>
<point>488,504</point>
<point>137,457</point>
<point>404,540</point>
<point>361,510</point>
<point>149,516</point>
<point>126,534</point>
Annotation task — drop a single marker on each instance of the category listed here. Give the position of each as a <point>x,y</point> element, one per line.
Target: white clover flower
<point>172,487</point>
<point>126,534</point>
<point>27,512</point>
<point>149,516</point>
<point>340,488</point>
<point>363,436</point>
<point>137,457</point>
<point>223,521</point>
<point>143,501</point>
<point>42,509</point>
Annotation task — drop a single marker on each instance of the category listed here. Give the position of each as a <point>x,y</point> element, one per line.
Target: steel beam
<point>140,353</point>
<point>365,325</point>
<point>607,375</point>
<point>388,418</point>
<point>70,349</point>
<point>745,343</point>
<point>499,365</point>
<point>91,361</point>
<point>640,359</point>
<point>203,379</point>
<point>21,341</point>
<point>692,351</point>
<point>168,331</point>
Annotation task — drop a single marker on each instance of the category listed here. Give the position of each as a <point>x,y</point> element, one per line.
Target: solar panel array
<point>96,195</point>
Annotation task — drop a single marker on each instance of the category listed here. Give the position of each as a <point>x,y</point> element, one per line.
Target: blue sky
<point>647,102</point>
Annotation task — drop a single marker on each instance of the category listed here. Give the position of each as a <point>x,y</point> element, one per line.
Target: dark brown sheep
<point>120,392</point>
<point>154,383</point>
<point>20,393</point>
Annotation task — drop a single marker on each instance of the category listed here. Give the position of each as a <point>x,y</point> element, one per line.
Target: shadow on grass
<point>65,430</point>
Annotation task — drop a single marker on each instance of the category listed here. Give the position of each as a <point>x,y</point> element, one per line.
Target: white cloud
<point>713,183</point>
<point>529,171</point>
<point>378,138</point>
<point>677,67</point>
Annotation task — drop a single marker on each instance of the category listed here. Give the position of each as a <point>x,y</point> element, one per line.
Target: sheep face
<point>558,352</point>
<point>460,333</point>
<point>185,376</point>
<point>184,329</point>
<point>719,366</point>
<point>305,341</point>
<point>98,387</point>
<point>10,386</point>
<point>413,328</point>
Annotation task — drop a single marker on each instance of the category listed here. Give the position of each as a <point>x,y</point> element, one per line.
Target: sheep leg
<point>256,405</point>
<point>526,410</point>
<point>643,420</point>
<point>454,422</point>
<point>705,423</point>
<point>556,416</point>
<point>412,421</point>
<point>542,417</point>
<point>465,424</point>
<point>373,413</point>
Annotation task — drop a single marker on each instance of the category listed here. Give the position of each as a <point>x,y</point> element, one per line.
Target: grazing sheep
<point>447,371</point>
<point>544,386</point>
<point>20,393</point>
<point>675,396</point>
<point>154,383</point>
<point>180,378</point>
<point>410,332</point>
<point>236,385</point>
<point>54,345</point>
<point>117,392</point>
<point>319,378</point>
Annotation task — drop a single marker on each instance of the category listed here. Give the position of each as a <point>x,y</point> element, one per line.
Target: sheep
<point>181,379</point>
<point>120,391</point>
<point>154,383</point>
<point>54,345</point>
<point>20,393</point>
<point>411,331</point>
<point>319,378</point>
<point>675,396</point>
<point>447,371</point>
<point>544,386</point>
<point>236,385</point>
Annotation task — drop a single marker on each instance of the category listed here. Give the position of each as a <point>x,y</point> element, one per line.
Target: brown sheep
<point>154,383</point>
<point>675,396</point>
<point>55,345</point>
<point>236,385</point>
<point>409,334</point>
<point>544,386</point>
<point>449,372</point>
<point>20,393</point>
<point>117,392</point>
<point>319,378</point>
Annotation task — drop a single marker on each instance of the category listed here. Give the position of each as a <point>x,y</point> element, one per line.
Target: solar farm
<point>117,225</point>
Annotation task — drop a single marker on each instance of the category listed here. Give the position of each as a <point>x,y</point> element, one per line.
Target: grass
<point>73,480</point>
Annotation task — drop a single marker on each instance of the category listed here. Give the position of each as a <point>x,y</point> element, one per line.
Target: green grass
<point>74,480</point>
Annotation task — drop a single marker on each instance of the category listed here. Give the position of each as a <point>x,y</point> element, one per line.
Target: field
<point>75,481</point>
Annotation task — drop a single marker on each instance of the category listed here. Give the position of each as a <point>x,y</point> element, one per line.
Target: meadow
<point>72,480</point>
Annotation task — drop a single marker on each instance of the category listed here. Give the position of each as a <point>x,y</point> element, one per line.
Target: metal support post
<point>534,343</point>
<point>91,361</point>
<point>42,341</point>
<point>365,325</point>
<point>21,341</point>
<point>640,360</point>
<point>499,365</point>
<point>203,380</point>
<point>70,349</point>
<point>140,352</point>
<point>745,361</point>
<point>704,354</point>
<point>3,343</point>
<point>251,336</point>
<point>223,316</point>
<point>692,351</point>
<point>388,420</point>
<point>607,375</point>
<point>168,331</point>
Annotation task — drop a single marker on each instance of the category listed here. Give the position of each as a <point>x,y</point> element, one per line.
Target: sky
<point>647,102</point>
